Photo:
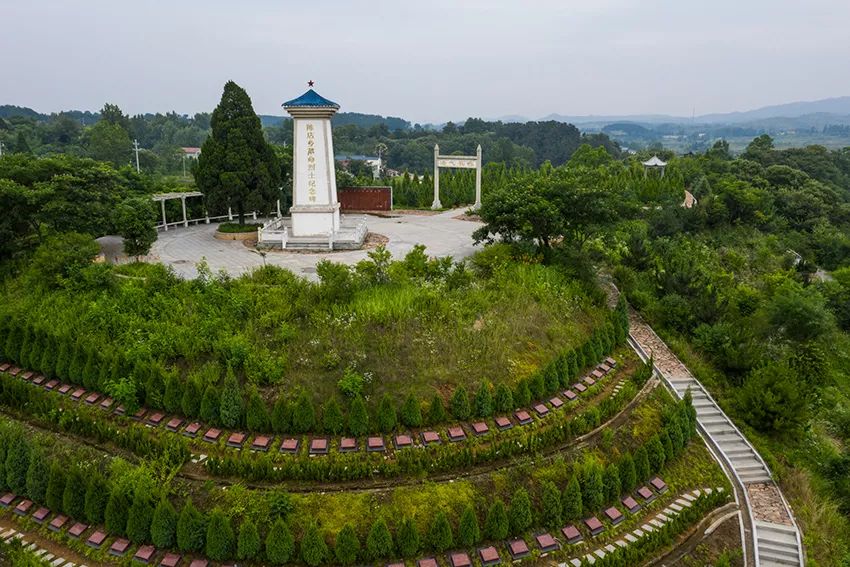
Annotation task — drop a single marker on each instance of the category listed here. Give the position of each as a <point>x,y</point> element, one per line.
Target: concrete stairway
<point>777,538</point>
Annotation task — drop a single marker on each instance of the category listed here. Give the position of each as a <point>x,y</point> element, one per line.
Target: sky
<point>426,61</point>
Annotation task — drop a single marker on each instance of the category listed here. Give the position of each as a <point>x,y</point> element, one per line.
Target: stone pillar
<point>229,213</point>
<point>477,204</point>
<point>164,221</point>
<point>278,209</point>
<point>183,203</point>
<point>255,215</point>
<point>436,204</point>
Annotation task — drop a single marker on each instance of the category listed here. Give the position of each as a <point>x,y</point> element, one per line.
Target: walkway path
<point>777,538</point>
<point>442,234</point>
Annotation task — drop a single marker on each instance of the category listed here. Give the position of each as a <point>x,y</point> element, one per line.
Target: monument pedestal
<point>315,220</point>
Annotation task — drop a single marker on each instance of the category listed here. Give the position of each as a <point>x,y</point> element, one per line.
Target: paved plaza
<point>442,235</point>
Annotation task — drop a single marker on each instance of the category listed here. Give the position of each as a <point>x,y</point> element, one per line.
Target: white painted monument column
<point>477,204</point>
<point>436,204</point>
<point>315,208</point>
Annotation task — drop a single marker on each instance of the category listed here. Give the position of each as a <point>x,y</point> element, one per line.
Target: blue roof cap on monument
<point>310,99</point>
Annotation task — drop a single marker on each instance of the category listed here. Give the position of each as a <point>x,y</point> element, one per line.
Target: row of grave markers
<point>318,445</point>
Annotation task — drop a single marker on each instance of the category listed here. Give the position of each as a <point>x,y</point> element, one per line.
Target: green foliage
<point>97,498</point>
<point>256,414</point>
<point>237,167</point>
<point>386,414</point>
<point>408,538</point>
<point>209,410</point>
<point>172,401</point>
<point>304,416</point>
<point>440,535</point>
<point>497,524</point>
<point>190,402</point>
<point>436,410</point>
<point>469,534</point>
<point>61,260</point>
<point>220,539</point>
<point>772,400</point>
<point>571,502</point>
<point>551,511</point>
<point>38,476</point>
<point>333,421</point>
<point>411,413</point>
<point>347,546</point>
<point>139,517</point>
<point>656,454</point>
<point>281,416</point>
<point>136,222</point>
<point>314,550</point>
<point>611,482</point>
<point>484,400</point>
<point>642,470</point>
<point>379,543</point>
<point>248,542</point>
<point>115,515</point>
<point>460,404</point>
<point>520,511</point>
<point>592,485</point>
<point>351,383</point>
<point>358,417</point>
<point>628,473</point>
<point>504,401</point>
<point>280,545</point>
<point>164,525</point>
<point>191,529</point>
<point>230,406</point>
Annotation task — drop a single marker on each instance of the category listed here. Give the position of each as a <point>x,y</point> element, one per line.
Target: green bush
<point>164,525</point>
<point>314,550</point>
<point>520,511</point>
<point>358,417</point>
<point>379,543</point>
<point>440,535</point>
<point>504,401</point>
<point>497,525</point>
<point>333,421</point>
<point>386,415</point>
<point>248,543</point>
<point>411,413</point>
<point>97,497</point>
<point>115,515</point>
<point>304,416</point>
<point>572,504</point>
<point>280,545</point>
<point>38,475</point>
<point>408,538</point>
<point>347,546</point>
<point>235,227</point>
<point>551,505</point>
<point>139,517</point>
<point>230,406</point>
<point>436,411</point>
<point>219,541</point>
<point>469,533</point>
<point>460,404</point>
<point>484,400</point>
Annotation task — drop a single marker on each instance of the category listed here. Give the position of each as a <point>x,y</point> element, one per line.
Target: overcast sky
<point>426,61</point>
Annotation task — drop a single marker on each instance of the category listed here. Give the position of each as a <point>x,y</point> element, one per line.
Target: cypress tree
<point>496,526</point>
<point>504,398</point>
<point>76,363</point>
<point>593,489</point>
<point>379,543</point>
<point>190,402</point>
<point>230,406</point>
<point>23,357</point>
<point>551,501</point>
<point>571,502</point>
<point>314,550</point>
<point>333,421</point>
<point>655,454</point>
<point>256,414</point>
<point>248,542</point>
<point>551,380</point>
<point>172,401</point>
<point>55,486</point>
<point>219,536</point>
<point>347,546</point>
<point>436,411</point>
<point>280,544</point>
<point>12,348</point>
<point>17,463</point>
<point>460,404</point>
<point>104,372</point>
<point>281,416</point>
<point>522,395</point>
<point>47,364</point>
<point>674,429</point>
<point>209,405</point>
<point>164,525</point>
<point>4,449</point>
<point>386,414</point>
<point>440,536</point>
<point>90,369</point>
<point>237,166</point>
<point>520,511</point>
<point>484,400</point>
<point>191,529</point>
<point>139,517</point>
<point>572,367</point>
<point>74,494</point>
<point>358,417</point>
<point>411,413</point>
<point>115,515</point>
<point>408,538</point>
<point>304,415</point>
<point>628,476</point>
<point>611,481</point>
<point>97,496</point>
<point>469,533</point>
<point>154,388</point>
<point>38,475</point>
<point>641,465</point>
<point>667,444</point>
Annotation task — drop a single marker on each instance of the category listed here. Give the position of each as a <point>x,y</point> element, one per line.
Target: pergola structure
<point>654,163</point>
<point>182,195</point>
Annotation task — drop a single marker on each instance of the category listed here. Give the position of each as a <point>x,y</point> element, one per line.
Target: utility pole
<point>136,148</point>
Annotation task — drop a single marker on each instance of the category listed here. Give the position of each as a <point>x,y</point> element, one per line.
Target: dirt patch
<point>467,217</point>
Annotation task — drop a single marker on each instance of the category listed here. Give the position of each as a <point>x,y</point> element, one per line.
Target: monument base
<point>312,220</point>
<point>278,234</point>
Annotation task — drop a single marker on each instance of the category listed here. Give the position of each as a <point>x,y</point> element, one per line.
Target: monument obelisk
<point>315,208</point>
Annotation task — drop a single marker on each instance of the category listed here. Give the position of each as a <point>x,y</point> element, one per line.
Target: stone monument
<point>315,220</point>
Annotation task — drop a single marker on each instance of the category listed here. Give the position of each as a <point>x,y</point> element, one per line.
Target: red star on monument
<point>310,83</point>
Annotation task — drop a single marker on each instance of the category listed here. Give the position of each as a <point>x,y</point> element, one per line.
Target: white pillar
<point>278,209</point>
<point>477,204</point>
<point>436,204</point>
<point>183,203</point>
<point>229,213</point>
<point>164,221</point>
<point>255,215</point>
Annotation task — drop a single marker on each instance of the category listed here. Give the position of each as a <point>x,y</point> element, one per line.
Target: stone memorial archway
<point>457,162</point>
